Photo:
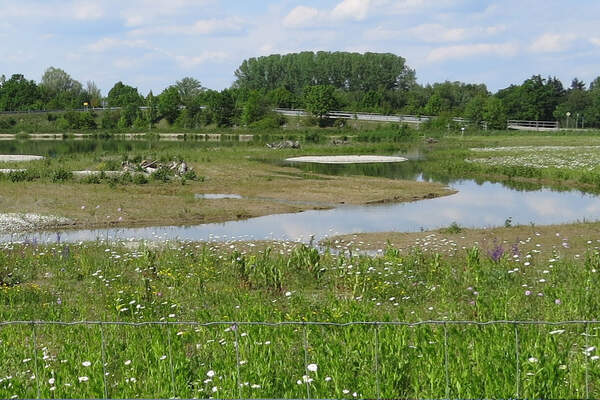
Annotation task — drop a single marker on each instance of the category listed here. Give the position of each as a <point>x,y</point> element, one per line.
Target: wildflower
<point>214,389</point>
<point>83,379</point>
<point>163,357</point>
<point>557,332</point>
<point>595,358</point>
<point>557,302</point>
<point>288,294</point>
<point>327,378</point>
<point>312,367</point>
<point>527,292</point>
<point>532,360</point>
<point>86,363</point>
<point>51,381</point>
<point>345,391</point>
<point>127,362</point>
<point>210,373</point>
<point>255,386</point>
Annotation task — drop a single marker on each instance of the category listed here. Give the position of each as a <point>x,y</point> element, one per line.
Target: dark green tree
<point>122,95</point>
<point>19,94</point>
<point>168,104</point>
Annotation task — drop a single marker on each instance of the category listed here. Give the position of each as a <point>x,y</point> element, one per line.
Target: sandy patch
<point>347,159</point>
<point>19,158</point>
<point>16,223</point>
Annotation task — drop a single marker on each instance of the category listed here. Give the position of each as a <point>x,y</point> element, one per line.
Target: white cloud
<point>87,11</point>
<point>352,9</point>
<point>595,41</point>
<point>470,50</point>
<point>387,7</point>
<point>200,27</point>
<point>433,33</point>
<point>207,56</point>
<point>552,43</point>
<point>107,43</point>
<point>302,16</point>
<point>78,10</point>
<point>438,33</point>
<point>144,12</point>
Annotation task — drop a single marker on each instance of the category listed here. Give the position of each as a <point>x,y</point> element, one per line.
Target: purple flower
<point>496,253</point>
<point>527,292</point>
<point>557,302</point>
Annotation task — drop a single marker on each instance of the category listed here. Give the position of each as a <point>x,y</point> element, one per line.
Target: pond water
<point>475,205</point>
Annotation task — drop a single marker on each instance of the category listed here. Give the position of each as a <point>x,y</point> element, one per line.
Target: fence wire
<point>377,366</point>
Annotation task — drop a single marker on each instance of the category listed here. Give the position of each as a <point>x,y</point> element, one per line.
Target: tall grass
<point>233,282</point>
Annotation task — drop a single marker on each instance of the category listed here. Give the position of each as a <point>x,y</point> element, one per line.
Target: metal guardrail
<point>532,125</point>
<point>375,325</point>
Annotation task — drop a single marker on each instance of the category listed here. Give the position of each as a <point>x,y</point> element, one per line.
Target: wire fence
<point>382,364</point>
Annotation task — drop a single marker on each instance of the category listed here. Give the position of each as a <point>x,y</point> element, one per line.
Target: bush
<point>61,175</point>
<point>140,179</point>
<point>92,179</point>
<point>162,174</point>
<point>21,176</point>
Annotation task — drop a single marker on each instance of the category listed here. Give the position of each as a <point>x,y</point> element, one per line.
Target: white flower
<point>557,332</point>
<point>327,378</point>
<point>51,381</point>
<point>288,294</point>
<point>312,367</point>
<point>127,362</point>
<point>594,358</point>
<point>255,386</point>
<point>532,359</point>
<point>214,389</point>
<point>86,363</point>
<point>163,357</point>
<point>299,382</point>
<point>210,373</point>
<point>345,391</point>
<point>83,379</point>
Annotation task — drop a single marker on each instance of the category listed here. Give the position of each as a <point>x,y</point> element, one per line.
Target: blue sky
<point>152,43</point>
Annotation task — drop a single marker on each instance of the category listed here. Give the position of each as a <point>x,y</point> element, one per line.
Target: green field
<point>525,274</point>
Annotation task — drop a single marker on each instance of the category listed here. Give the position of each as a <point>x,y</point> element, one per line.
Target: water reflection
<point>475,205</point>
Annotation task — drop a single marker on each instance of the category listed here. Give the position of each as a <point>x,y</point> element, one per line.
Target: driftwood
<point>150,166</point>
<point>286,144</point>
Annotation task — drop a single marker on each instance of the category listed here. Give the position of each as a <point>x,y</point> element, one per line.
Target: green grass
<point>233,282</point>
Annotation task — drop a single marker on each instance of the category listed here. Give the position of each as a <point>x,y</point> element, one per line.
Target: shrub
<point>140,179</point>
<point>162,174</point>
<point>61,175</point>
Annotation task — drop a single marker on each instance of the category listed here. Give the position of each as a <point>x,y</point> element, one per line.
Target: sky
<point>150,44</point>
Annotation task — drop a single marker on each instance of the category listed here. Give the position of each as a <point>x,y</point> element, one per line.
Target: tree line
<point>318,82</point>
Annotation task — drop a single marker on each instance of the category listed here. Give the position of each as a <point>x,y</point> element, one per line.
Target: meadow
<point>237,283</point>
<point>176,319</point>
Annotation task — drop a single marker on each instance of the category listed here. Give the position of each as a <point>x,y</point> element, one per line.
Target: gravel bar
<point>17,223</point>
<point>347,159</point>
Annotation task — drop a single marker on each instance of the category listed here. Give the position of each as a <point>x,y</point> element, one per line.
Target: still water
<point>475,205</point>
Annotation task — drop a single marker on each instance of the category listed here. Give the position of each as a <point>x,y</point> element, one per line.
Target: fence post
<point>378,388</point>
<point>35,364</point>
<point>171,360</point>
<point>446,360</point>
<point>517,359</point>
<point>587,362</point>
<point>103,351</point>
<point>237,358</point>
<point>306,358</point>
